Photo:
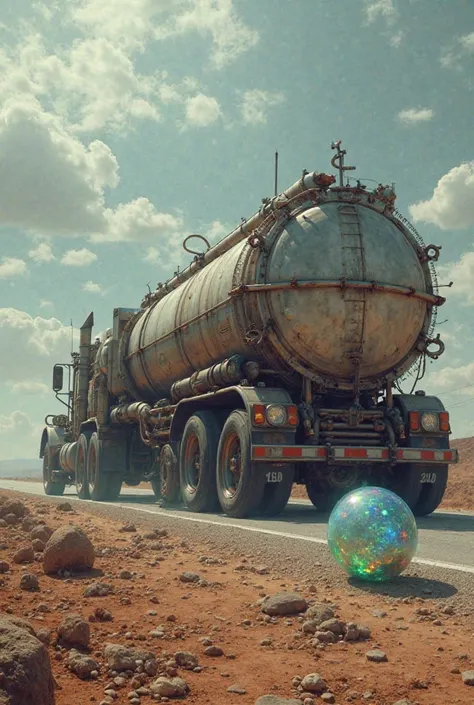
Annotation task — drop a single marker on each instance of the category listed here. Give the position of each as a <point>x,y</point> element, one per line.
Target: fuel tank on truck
<point>337,288</point>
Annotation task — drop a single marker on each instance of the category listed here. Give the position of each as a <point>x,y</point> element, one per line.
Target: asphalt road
<point>446,539</point>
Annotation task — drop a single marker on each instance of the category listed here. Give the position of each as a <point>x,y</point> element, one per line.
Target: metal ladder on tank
<point>353,267</point>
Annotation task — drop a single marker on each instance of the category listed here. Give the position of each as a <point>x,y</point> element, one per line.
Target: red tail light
<point>414,420</point>
<point>444,422</point>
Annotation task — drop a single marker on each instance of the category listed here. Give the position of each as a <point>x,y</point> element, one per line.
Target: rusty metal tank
<point>335,289</point>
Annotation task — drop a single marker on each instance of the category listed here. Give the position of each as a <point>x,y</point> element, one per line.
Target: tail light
<point>414,417</point>
<point>444,422</point>
<point>293,416</point>
<point>259,417</point>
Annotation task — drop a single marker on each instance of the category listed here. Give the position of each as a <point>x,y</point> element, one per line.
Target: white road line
<point>270,532</point>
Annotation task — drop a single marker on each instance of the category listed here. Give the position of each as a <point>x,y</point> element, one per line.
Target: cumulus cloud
<point>230,36</point>
<point>44,303</point>
<point>452,204</point>
<point>42,253</point>
<point>459,51</point>
<point>92,288</point>
<point>414,116</point>
<point>12,267</point>
<point>30,345</point>
<point>78,258</point>
<point>375,9</point>
<point>132,24</point>
<point>29,387</point>
<point>202,110</point>
<point>456,378</point>
<point>461,273</point>
<point>19,436</point>
<point>255,104</point>
<point>69,198</point>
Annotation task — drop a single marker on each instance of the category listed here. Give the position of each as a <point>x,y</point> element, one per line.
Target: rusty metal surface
<point>363,302</point>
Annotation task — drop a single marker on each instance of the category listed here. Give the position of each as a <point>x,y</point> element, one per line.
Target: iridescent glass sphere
<point>372,534</point>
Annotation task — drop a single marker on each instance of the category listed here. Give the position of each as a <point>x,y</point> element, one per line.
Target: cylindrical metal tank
<point>340,290</point>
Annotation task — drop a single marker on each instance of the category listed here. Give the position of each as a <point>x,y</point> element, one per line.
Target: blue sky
<point>126,125</point>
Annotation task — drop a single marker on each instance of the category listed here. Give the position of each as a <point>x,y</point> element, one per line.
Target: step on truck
<point>274,359</point>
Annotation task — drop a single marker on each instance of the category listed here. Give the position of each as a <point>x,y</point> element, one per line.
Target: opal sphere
<point>372,534</point>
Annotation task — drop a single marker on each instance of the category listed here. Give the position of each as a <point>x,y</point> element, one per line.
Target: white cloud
<point>461,273</point>
<point>414,116</point>
<point>44,303</point>
<point>380,8</point>
<point>19,436</point>
<point>68,199</point>
<point>12,267</point>
<point>452,204</point>
<point>43,253</point>
<point>29,387</point>
<point>36,342</point>
<point>467,42</point>
<point>92,288</point>
<point>202,110</point>
<point>255,104</point>
<point>230,36</point>
<point>78,258</point>
<point>137,221</point>
<point>173,253</point>
<point>455,378</point>
<point>396,39</point>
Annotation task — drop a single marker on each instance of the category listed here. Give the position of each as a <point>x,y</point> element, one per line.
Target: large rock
<point>41,532</point>
<point>80,664</point>
<point>27,678</point>
<point>284,603</point>
<point>13,506</point>
<point>70,548</point>
<point>313,683</point>
<point>170,687</point>
<point>122,658</point>
<point>74,631</point>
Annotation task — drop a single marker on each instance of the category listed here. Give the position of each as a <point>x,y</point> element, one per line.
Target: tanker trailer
<point>275,358</point>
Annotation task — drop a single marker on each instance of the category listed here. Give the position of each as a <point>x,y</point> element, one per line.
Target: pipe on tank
<point>83,369</point>
<point>307,182</point>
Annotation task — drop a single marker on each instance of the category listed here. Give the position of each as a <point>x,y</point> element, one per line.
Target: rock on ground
<point>170,687</point>
<point>68,547</point>
<point>74,631</point>
<point>80,664</point>
<point>25,667</point>
<point>284,603</point>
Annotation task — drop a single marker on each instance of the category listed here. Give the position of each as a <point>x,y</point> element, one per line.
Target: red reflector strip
<point>319,453</point>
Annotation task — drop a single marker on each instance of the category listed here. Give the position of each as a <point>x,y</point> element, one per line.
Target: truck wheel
<point>406,483</point>
<point>432,492</point>
<point>277,494</point>
<point>53,488</point>
<point>323,498</point>
<point>80,468</point>
<point>240,482</point>
<point>170,489</point>
<point>103,485</point>
<point>197,462</point>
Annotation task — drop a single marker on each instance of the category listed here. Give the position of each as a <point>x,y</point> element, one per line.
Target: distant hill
<point>21,468</point>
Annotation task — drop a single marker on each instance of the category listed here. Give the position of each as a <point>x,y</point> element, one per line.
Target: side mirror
<point>58,378</point>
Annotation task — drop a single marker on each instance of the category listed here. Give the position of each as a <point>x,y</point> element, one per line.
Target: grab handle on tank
<point>193,252</point>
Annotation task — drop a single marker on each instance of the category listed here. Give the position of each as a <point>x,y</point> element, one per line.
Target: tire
<point>103,485</point>
<point>277,494</point>
<point>323,499</point>
<point>52,488</point>
<point>80,468</point>
<point>238,496</point>
<point>197,462</point>
<point>170,489</point>
<point>432,494</point>
<point>406,484</point>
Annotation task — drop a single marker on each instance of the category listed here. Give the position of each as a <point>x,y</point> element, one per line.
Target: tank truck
<point>275,358</point>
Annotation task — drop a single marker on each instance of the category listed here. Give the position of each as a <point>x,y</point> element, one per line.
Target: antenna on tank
<point>338,161</point>
<point>72,338</point>
<point>276,173</point>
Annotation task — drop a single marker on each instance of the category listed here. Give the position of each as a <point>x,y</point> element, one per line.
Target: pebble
<point>467,677</point>
<point>376,655</point>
